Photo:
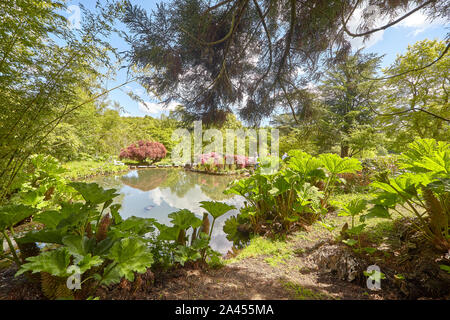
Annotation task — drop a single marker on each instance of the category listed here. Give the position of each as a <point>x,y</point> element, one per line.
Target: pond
<point>156,192</point>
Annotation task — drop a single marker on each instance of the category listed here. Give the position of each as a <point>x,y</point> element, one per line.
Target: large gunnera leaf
<point>13,214</point>
<point>335,164</point>
<point>93,193</point>
<point>215,208</point>
<point>54,262</point>
<point>184,219</point>
<point>131,255</point>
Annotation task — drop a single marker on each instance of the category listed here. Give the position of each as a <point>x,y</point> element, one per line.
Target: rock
<point>339,260</point>
<point>6,248</point>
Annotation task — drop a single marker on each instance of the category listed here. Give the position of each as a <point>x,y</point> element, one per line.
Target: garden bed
<point>221,173</point>
<point>311,264</point>
<point>242,172</point>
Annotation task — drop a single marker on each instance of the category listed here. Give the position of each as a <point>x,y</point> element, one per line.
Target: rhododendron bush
<point>218,159</point>
<point>144,150</point>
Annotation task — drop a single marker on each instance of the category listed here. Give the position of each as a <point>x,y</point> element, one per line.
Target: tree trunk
<point>344,150</point>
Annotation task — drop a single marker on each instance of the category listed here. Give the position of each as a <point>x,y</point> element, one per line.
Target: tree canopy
<point>216,56</point>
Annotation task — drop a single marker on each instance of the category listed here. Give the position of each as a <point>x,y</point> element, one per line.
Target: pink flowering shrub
<point>211,157</point>
<point>144,150</point>
<point>214,159</point>
<point>241,161</point>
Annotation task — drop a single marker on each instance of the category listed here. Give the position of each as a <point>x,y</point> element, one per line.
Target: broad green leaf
<point>231,230</point>
<point>167,233</point>
<point>383,186</point>
<point>44,236</point>
<point>111,275</point>
<point>280,185</point>
<point>304,163</point>
<point>427,155</point>
<point>355,206</point>
<point>370,250</point>
<point>215,208</point>
<point>69,215</point>
<point>327,226</point>
<point>184,254</point>
<point>184,219</point>
<point>445,268</point>
<point>386,199</point>
<point>335,164</point>
<point>13,214</point>
<point>52,218</point>
<point>103,246</point>
<point>419,148</point>
<point>115,213</point>
<point>374,275</point>
<point>308,194</point>
<point>134,226</point>
<point>79,246</point>
<point>54,262</point>
<point>31,198</point>
<point>131,255</point>
<point>93,193</point>
<point>88,261</point>
<point>202,242</point>
<point>377,211</point>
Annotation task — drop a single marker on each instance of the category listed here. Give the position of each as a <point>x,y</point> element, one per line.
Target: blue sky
<point>390,43</point>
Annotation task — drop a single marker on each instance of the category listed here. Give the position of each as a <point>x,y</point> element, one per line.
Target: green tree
<point>415,104</point>
<point>213,55</point>
<point>44,65</point>
<point>349,95</point>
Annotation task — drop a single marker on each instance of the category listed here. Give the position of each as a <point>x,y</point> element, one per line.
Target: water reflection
<point>156,192</point>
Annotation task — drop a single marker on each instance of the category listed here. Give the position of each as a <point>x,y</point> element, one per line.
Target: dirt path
<point>289,273</point>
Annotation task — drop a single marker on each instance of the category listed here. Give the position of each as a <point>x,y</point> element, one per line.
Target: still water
<point>156,192</point>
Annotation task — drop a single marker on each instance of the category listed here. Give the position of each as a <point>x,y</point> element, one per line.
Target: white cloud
<point>154,108</point>
<point>419,23</point>
<point>300,71</point>
<point>137,91</point>
<point>358,42</point>
<point>414,24</point>
<point>416,20</point>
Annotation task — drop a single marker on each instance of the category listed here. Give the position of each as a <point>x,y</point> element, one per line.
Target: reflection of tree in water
<point>147,179</point>
<point>107,182</point>
<point>213,186</point>
<point>179,182</point>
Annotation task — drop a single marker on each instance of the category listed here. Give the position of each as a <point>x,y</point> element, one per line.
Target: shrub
<point>422,188</point>
<point>360,180</point>
<point>95,244</point>
<point>175,239</point>
<point>214,161</point>
<point>90,240</point>
<point>144,150</point>
<point>41,184</point>
<point>297,194</point>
